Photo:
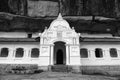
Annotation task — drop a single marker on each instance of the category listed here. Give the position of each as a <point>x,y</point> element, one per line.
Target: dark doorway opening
<point>59,53</point>
<point>59,57</point>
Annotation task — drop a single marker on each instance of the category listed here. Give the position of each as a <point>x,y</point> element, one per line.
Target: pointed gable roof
<point>59,22</point>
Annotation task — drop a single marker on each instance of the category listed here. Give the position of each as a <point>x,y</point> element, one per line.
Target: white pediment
<point>59,24</point>
<point>59,30</point>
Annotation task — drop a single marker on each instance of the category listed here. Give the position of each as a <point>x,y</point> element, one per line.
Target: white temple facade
<point>60,44</point>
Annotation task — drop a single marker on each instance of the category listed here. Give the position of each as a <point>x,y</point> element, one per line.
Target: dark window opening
<point>113,52</point>
<point>19,52</point>
<point>35,53</point>
<point>29,35</point>
<point>84,53</point>
<point>4,52</point>
<point>98,53</point>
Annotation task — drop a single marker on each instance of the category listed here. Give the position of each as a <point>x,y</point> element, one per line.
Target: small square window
<point>29,35</point>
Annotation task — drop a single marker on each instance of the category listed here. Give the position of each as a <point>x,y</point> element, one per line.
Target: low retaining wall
<point>104,70</point>
<point>101,70</point>
<point>28,68</point>
<point>19,68</point>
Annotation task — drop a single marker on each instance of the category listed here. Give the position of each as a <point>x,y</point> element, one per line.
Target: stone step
<point>61,68</point>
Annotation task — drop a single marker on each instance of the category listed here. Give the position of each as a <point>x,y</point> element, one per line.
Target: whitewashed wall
<point>45,59</point>
<point>16,35</point>
<point>105,46</point>
<point>26,59</point>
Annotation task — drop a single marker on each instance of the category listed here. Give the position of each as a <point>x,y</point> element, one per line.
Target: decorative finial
<point>60,17</point>
<point>45,28</point>
<point>73,28</point>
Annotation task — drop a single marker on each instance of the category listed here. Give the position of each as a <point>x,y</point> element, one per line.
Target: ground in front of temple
<point>56,76</point>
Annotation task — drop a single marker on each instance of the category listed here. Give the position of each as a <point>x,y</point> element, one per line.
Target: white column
<point>67,54</point>
<point>51,54</point>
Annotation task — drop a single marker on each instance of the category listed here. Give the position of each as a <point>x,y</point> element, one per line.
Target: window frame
<point>115,51</point>
<point>86,51</point>
<point>22,53</point>
<point>101,53</point>
<point>34,56</point>
<point>7,52</point>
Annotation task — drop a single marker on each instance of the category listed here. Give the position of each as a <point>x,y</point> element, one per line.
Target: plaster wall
<point>72,58</point>
<point>16,35</point>
<point>106,59</point>
<point>13,34</point>
<point>26,59</point>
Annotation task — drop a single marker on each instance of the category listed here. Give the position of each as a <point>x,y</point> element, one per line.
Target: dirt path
<point>56,76</point>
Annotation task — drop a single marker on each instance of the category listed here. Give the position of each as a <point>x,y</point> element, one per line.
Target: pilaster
<point>51,54</point>
<point>67,54</point>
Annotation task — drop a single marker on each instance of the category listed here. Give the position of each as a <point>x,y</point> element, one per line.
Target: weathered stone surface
<point>42,8</point>
<point>18,6</point>
<point>104,70</point>
<point>108,8</point>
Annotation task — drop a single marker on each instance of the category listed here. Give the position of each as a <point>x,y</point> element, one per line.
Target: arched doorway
<point>59,53</point>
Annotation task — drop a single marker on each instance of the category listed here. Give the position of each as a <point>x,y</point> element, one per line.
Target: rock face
<point>109,8</point>
<point>42,8</point>
<point>36,8</point>
<point>18,6</point>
